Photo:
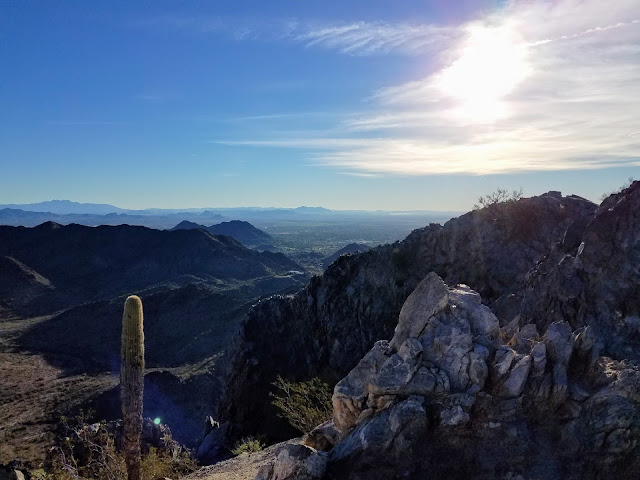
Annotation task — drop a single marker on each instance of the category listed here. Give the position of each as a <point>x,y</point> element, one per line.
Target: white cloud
<point>368,38</point>
<point>571,103</point>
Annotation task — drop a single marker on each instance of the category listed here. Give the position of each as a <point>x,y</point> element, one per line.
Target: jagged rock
<point>485,327</point>
<point>528,396</point>
<point>429,297</point>
<point>524,339</point>
<point>559,343</point>
<point>323,437</point>
<point>539,357</point>
<point>597,286</point>
<point>443,357</point>
<point>502,362</point>
<point>350,393</point>
<point>209,424</point>
<point>16,475</point>
<point>516,379</point>
<point>295,462</point>
<point>454,416</point>
<point>214,445</point>
<point>507,308</point>
<point>391,433</point>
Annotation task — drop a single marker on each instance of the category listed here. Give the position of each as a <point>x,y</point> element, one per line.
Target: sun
<point>491,64</point>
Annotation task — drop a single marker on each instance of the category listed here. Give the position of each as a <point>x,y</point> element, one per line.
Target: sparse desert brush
<point>305,405</point>
<point>89,451</point>
<point>247,445</point>
<point>497,197</point>
<point>159,464</point>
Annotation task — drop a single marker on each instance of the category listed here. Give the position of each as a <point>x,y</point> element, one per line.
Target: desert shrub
<point>247,445</point>
<point>40,474</point>
<point>305,405</point>
<point>627,184</point>
<point>159,464</point>
<point>515,219</point>
<point>88,451</point>
<point>499,196</point>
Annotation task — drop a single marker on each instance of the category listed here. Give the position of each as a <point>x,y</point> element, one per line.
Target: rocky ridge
<point>327,327</point>
<point>529,372</point>
<point>448,396</point>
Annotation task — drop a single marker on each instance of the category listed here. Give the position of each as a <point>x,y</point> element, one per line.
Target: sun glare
<point>491,64</point>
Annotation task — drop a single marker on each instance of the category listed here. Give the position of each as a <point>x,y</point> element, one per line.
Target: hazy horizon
<point>209,207</point>
<point>369,105</point>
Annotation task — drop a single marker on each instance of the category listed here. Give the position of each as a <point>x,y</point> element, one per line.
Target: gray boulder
<point>295,462</point>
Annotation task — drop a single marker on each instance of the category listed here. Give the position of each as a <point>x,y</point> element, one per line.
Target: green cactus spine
<point>132,383</point>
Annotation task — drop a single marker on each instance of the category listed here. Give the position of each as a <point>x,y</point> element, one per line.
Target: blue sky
<point>361,104</point>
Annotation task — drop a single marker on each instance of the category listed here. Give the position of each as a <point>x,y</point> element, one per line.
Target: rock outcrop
<point>598,284</point>
<point>451,396</point>
<point>326,328</point>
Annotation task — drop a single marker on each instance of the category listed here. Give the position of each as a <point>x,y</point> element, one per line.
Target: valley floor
<point>32,395</point>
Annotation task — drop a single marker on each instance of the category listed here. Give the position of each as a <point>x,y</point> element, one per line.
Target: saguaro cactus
<point>132,383</point>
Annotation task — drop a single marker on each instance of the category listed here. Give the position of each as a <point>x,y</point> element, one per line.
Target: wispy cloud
<point>369,38</point>
<point>537,86</point>
<point>354,38</point>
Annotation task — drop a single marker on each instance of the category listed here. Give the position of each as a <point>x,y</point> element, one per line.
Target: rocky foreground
<point>514,341</point>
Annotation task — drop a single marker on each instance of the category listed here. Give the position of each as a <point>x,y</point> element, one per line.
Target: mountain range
<point>243,232</point>
<point>62,288</point>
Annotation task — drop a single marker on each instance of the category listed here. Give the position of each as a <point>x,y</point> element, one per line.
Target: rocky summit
<point>506,347</point>
<point>327,327</point>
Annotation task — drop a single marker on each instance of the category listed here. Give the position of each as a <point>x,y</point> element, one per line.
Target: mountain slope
<point>242,231</point>
<point>62,289</point>
<point>105,261</point>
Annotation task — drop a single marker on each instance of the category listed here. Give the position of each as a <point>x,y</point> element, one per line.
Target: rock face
<point>447,398</point>
<point>597,285</point>
<point>326,328</point>
<point>352,248</point>
<point>295,462</point>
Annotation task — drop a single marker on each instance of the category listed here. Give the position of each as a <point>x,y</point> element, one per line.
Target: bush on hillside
<point>499,196</point>
<point>88,451</point>
<point>305,405</point>
<point>247,445</point>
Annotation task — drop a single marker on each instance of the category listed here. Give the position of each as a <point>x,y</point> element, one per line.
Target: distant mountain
<point>65,207</point>
<point>348,249</point>
<point>18,217</point>
<point>187,225</point>
<point>241,231</point>
<point>75,264</point>
<point>313,210</point>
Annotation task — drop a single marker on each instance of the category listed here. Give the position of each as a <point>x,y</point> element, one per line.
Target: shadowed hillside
<point>241,231</point>
<point>89,263</point>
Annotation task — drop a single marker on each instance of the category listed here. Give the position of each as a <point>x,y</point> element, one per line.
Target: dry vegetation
<point>32,395</point>
<point>305,405</point>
